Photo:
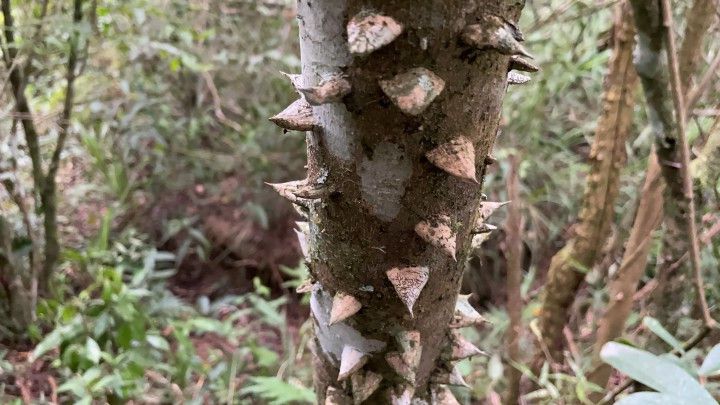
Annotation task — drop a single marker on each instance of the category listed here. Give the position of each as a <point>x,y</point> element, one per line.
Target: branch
<point>36,37</point>
<point>48,193</point>
<point>691,227</point>
<point>693,96</point>
<point>69,94</point>
<point>18,85</point>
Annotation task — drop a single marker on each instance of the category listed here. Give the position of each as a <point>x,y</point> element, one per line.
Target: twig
<point>217,104</point>
<point>693,96</point>
<point>676,88</point>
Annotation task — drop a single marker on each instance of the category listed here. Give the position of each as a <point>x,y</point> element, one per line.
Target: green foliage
<point>125,337</point>
<point>673,383</point>
<point>278,392</point>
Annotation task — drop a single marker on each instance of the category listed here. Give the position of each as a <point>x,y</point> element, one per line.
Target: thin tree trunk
<point>44,184</point>
<point>402,100</point>
<point>706,166</point>
<point>514,228</point>
<point>569,265</point>
<point>622,287</point>
<point>698,20</point>
<point>651,208</point>
<point>48,192</point>
<point>671,280</point>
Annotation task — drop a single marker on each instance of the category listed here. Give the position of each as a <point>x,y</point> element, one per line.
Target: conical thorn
<point>495,33</point>
<point>514,77</point>
<point>298,116</point>
<point>343,306</point>
<point>461,348</point>
<point>413,91</point>
<point>368,32</point>
<point>456,157</point>
<point>439,234</point>
<point>408,283</point>
<point>299,190</point>
<point>465,315</point>
<point>351,361</point>
<point>364,384</point>
<point>519,63</point>
<point>295,79</point>
<point>331,90</point>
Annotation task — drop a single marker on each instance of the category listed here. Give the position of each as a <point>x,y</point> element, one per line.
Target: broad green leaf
<point>711,364</point>
<point>657,373</point>
<point>652,398</point>
<point>92,350</point>
<point>656,327</point>
<point>158,342</point>
<point>54,339</point>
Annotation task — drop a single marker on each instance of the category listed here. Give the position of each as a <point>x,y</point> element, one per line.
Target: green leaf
<point>158,342</point>
<point>657,373</point>
<point>495,368</point>
<point>652,398</point>
<point>711,364</point>
<point>656,327</point>
<point>54,339</point>
<point>92,350</point>
<point>264,356</point>
<point>278,392</point>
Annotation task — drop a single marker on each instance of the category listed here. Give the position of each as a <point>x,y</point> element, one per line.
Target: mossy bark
<point>369,159</point>
<point>569,265</point>
<point>672,276</point>
<point>623,285</point>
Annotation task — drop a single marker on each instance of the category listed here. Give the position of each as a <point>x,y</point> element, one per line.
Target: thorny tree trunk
<point>567,268</point>
<point>406,98</point>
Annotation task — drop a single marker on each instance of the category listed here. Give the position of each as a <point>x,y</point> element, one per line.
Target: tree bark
<point>403,99</point>
<point>622,287</point>
<point>671,281</point>
<point>569,265</point>
<point>653,199</point>
<point>514,248</point>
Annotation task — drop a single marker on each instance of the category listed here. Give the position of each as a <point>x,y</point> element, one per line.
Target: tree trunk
<point>402,100</point>
<point>569,265</point>
<point>14,277</point>
<point>623,285</point>
<point>672,281</point>
<point>513,251</point>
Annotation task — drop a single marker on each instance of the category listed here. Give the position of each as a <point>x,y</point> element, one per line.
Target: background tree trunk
<point>672,278</point>
<point>569,265</point>
<point>391,193</point>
